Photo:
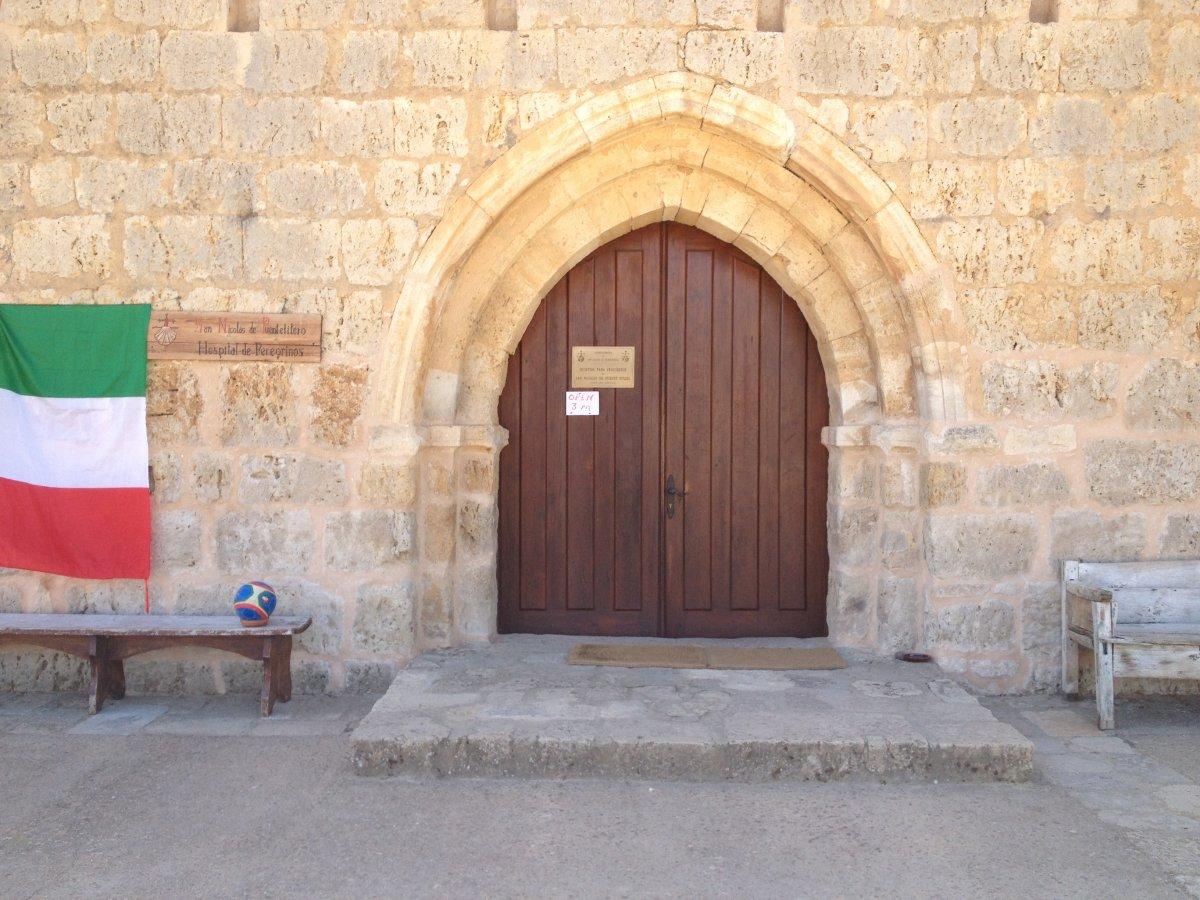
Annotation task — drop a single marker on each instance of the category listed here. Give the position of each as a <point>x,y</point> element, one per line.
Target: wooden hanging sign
<point>234,337</point>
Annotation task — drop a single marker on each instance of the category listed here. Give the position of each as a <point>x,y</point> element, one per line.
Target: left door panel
<point>580,496</point>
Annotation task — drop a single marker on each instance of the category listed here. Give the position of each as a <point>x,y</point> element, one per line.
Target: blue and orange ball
<point>254,603</point>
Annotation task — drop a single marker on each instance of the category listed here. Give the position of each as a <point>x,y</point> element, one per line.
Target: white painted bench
<point>1139,619</point>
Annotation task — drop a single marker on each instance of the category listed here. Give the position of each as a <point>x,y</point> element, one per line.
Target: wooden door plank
<point>720,419</point>
<point>627,435</point>
<point>604,440</point>
<point>696,509</point>
<point>557,369</point>
<point>770,315</point>
<point>744,432</point>
<point>581,296</point>
<point>675,343</point>
<point>534,465</point>
<point>793,424</point>
<point>651,392</point>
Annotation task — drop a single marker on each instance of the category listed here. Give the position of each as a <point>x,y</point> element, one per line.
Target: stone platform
<point>516,708</point>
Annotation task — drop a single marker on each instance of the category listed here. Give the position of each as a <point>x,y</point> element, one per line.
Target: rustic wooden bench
<point>1139,619</point>
<point>107,641</point>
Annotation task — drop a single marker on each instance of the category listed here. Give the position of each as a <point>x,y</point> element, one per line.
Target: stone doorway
<point>694,503</point>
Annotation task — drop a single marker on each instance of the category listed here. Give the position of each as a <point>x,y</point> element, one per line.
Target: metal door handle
<point>672,493</point>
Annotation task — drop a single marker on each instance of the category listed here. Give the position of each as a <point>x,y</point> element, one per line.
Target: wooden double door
<point>693,504</point>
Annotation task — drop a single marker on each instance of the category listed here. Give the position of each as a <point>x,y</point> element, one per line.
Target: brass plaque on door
<point>603,367</point>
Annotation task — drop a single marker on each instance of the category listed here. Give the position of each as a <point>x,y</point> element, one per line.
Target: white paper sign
<point>583,403</point>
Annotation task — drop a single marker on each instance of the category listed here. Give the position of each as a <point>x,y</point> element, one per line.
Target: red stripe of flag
<point>82,532</point>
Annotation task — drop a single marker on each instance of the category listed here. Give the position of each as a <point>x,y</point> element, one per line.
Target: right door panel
<point>745,401</point>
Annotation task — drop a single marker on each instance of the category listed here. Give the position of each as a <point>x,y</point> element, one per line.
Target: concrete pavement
<point>281,814</point>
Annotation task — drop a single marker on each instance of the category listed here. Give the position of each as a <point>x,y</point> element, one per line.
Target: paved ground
<point>514,707</point>
<point>206,800</point>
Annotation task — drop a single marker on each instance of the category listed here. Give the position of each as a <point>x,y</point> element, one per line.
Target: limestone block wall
<point>298,155</point>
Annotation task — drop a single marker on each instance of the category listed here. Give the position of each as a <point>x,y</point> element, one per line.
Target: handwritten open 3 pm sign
<point>583,403</point>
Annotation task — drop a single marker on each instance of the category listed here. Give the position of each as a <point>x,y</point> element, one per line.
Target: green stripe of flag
<point>74,350</point>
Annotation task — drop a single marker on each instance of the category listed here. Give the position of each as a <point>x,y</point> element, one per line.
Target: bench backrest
<point>1166,591</point>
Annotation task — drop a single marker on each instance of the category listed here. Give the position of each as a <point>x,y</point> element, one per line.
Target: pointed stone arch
<point>675,147</point>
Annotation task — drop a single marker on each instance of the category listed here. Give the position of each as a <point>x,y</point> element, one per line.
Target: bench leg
<point>270,678</point>
<point>283,659</point>
<point>1069,680</point>
<point>1104,686</point>
<point>108,675</point>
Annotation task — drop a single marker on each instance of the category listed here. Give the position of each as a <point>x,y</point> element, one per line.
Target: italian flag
<point>74,479</point>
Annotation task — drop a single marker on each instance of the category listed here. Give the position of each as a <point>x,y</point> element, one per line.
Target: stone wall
<point>150,153</point>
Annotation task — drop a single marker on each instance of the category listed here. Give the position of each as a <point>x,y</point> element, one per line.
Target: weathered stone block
<point>358,129</point>
<point>434,127</point>
<point>175,539</point>
<point>300,14</point>
<point>20,123</point>
<point>1181,70</point>
<point>78,122</point>
<point>166,477</point>
<point>990,625</point>
<point>171,13</point>
<point>383,619</point>
<point>104,184</point>
<point>1161,122</point>
<point>1121,471</point>
<point>889,132</point>
<point>477,521</point>
<point>361,540</point>
<point>286,62</point>
<point>1070,125</point>
<point>1083,534</point>
<point>304,598</point>
<point>1171,249</point>
<point>590,56</point>
<point>67,247</point>
<point>173,404</point>
<point>42,670</point>
<point>1041,389</point>
<point>376,251</point>
<point>368,677</point>
<point>1180,537</point>
<point>105,597</point>
<point>258,542</point>
<point>950,188</point>
<point>259,406</point>
<point>1031,484</point>
<point>337,403</point>
<point>798,13</point>
<point>412,189</point>
<point>276,478</point>
<point>1020,57</point>
<point>988,252</point>
<point>898,541</point>
<point>292,249</point>
<point>746,58</point>
<point>123,59</point>
<point>980,126</point>
<point>384,483</point>
<point>1051,439</point>
<point>1033,187</point>
<point>1099,251</point>
<point>1111,56</point>
<point>201,60</point>
<point>967,439</point>
<point>942,483</point>
<point>217,185</point>
<point>899,614</point>
<point>183,247</point>
<point>212,478</point>
<point>318,188</point>
<point>942,62</point>
<point>1122,184</point>
<point>368,61</point>
<point>1124,320</point>
<point>1166,395</point>
<point>49,60</point>
<point>854,535</point>
<point>850,603</point>
<point>867,60</point>
<point>50,184</point>
<point>443,59</point>
<point>275,126</point>
<point>157,126</point>
<point>975,546</point>
<point>1007,319</point>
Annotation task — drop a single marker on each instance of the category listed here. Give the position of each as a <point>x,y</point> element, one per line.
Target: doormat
<point>692,656</point>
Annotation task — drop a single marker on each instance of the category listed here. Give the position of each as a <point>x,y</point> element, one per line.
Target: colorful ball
<point>254,603</point>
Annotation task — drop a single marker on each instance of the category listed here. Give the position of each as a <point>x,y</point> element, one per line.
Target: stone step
<point>514,708</point>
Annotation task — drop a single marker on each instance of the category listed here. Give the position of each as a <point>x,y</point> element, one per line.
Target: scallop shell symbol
<point>165,334</point>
